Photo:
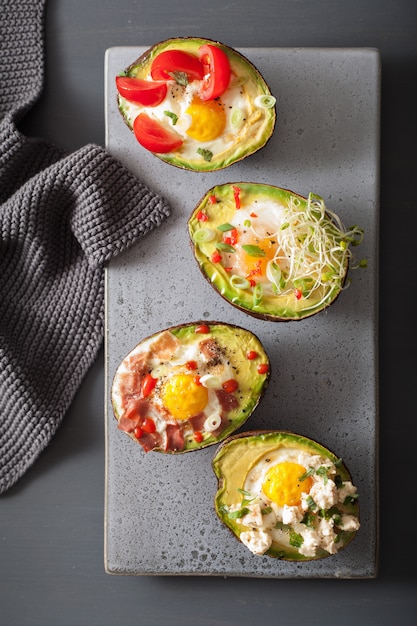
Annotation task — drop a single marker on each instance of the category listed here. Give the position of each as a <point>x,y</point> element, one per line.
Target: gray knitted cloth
<point>62,217</point>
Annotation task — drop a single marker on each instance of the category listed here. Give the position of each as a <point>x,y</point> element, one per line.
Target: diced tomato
<point>230,386</point>
<point>191,365</point>
<point>216,257</point>
<point>145,92</point>
<point>203,329</point>
<point>216,71</point>
<point>148,425</point>
<point>202,217</point>
<point>170,64</point>
<point>153,136</point>
<point>148,385</point>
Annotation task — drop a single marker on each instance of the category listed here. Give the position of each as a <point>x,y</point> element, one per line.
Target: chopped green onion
<point>236,117</point>
<point>240,513</point>
<point>257,294</point>
<point>247,223</point>
<point>239,282</point>
<point>202,235</point>
<point>296,540</point>
<point>265,101</point>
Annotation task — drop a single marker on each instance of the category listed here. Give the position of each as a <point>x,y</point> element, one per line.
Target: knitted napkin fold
<point>62,217</point>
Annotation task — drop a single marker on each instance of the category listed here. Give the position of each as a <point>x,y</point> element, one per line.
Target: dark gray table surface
<point>51,522</point>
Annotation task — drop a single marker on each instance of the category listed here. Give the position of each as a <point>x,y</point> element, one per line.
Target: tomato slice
<point>172,64</point>
<point>153,136</point>
<point>145,92</point>
<point>216,72</point>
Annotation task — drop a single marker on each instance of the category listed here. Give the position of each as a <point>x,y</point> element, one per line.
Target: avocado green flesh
<point>235,342</point>
<point>272,306</point>
<point>251,136</point>
<point>237,455</point>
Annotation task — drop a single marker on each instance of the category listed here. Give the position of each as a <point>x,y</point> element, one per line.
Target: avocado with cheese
<point>269,251</point>
<point>196,104</point>
<point>285,496</point>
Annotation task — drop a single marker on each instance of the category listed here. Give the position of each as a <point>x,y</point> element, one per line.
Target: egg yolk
<point>208,120</point>
<point>282,483</point>
<point>182,397</point>
<point>251,265</point>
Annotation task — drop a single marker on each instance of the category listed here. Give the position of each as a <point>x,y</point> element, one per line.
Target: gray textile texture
<point>62,217</point>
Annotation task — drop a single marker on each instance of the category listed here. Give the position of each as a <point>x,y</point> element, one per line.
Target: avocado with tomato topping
<point>285,496</point>
<point>196,104</point>
<point>269,251</point>
<point>189,386</point>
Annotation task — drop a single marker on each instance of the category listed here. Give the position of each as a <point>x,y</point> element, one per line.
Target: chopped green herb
<point>266,510</point>
<point>225,227</point>
<point>253,250</point>
<point>296,540</point>
<point>224,247</point>
<point>240,513</point>
<point>180,78</point>
<point>173,116</point>
<point>206,154</point>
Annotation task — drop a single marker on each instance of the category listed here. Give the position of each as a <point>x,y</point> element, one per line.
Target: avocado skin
<point>240,64</point>
<point>241,451</point>
<point>219,279</point>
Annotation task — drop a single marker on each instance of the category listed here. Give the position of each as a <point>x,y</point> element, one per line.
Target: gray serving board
<point>159,515</point>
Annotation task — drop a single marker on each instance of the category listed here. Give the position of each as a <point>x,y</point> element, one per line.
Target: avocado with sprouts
<point>269,251</point>
<point>196,103</point>
<point>285,496</point>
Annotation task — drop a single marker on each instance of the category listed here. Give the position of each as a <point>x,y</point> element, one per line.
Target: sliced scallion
<point>239,282</point>
<point>265,101</point>
<point>202,235</point>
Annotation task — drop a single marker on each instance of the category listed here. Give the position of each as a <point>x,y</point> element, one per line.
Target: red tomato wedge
<point>145,92</point>
<point>216,72</point>
<point>153,136</point>
<point>170,64</point>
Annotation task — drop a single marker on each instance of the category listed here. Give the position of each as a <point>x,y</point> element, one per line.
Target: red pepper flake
<point>230,237</point>
<point>202,217</point>
<point>251,281</point>
<point>236,195</point>
<point>203,329</point>
<point>191,365</point>
<point>253,214</point>
<point>251,355</point>
<point>297,293</point>
<point>229,386</point>
<point>228,269</point>
<point>212,199</point>
<point>216,257</point>
<point>198,381</point>
<point>198,436</point>
<point>262,368</point>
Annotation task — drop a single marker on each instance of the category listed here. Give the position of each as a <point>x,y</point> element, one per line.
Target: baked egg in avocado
<point>189,386</point>
<point>269,251</point>
<point>196,103</point>
<point>285,496</point>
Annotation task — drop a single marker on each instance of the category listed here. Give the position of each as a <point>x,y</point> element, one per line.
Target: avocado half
<point>247,102</point>
<point>189,386</point>
<point>250,453</point>
<point>271,252</point>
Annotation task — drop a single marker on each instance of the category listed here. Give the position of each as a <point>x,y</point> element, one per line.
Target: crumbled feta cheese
<point>258,541</point>
<point>347,489</point>
<point>310,543</point>
<point>324,494</point>
<point>254,517</point>
<point>349,522</point>
<point>291,514</point>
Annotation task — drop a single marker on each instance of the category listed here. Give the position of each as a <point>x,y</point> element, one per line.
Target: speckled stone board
<point>159,515</point>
